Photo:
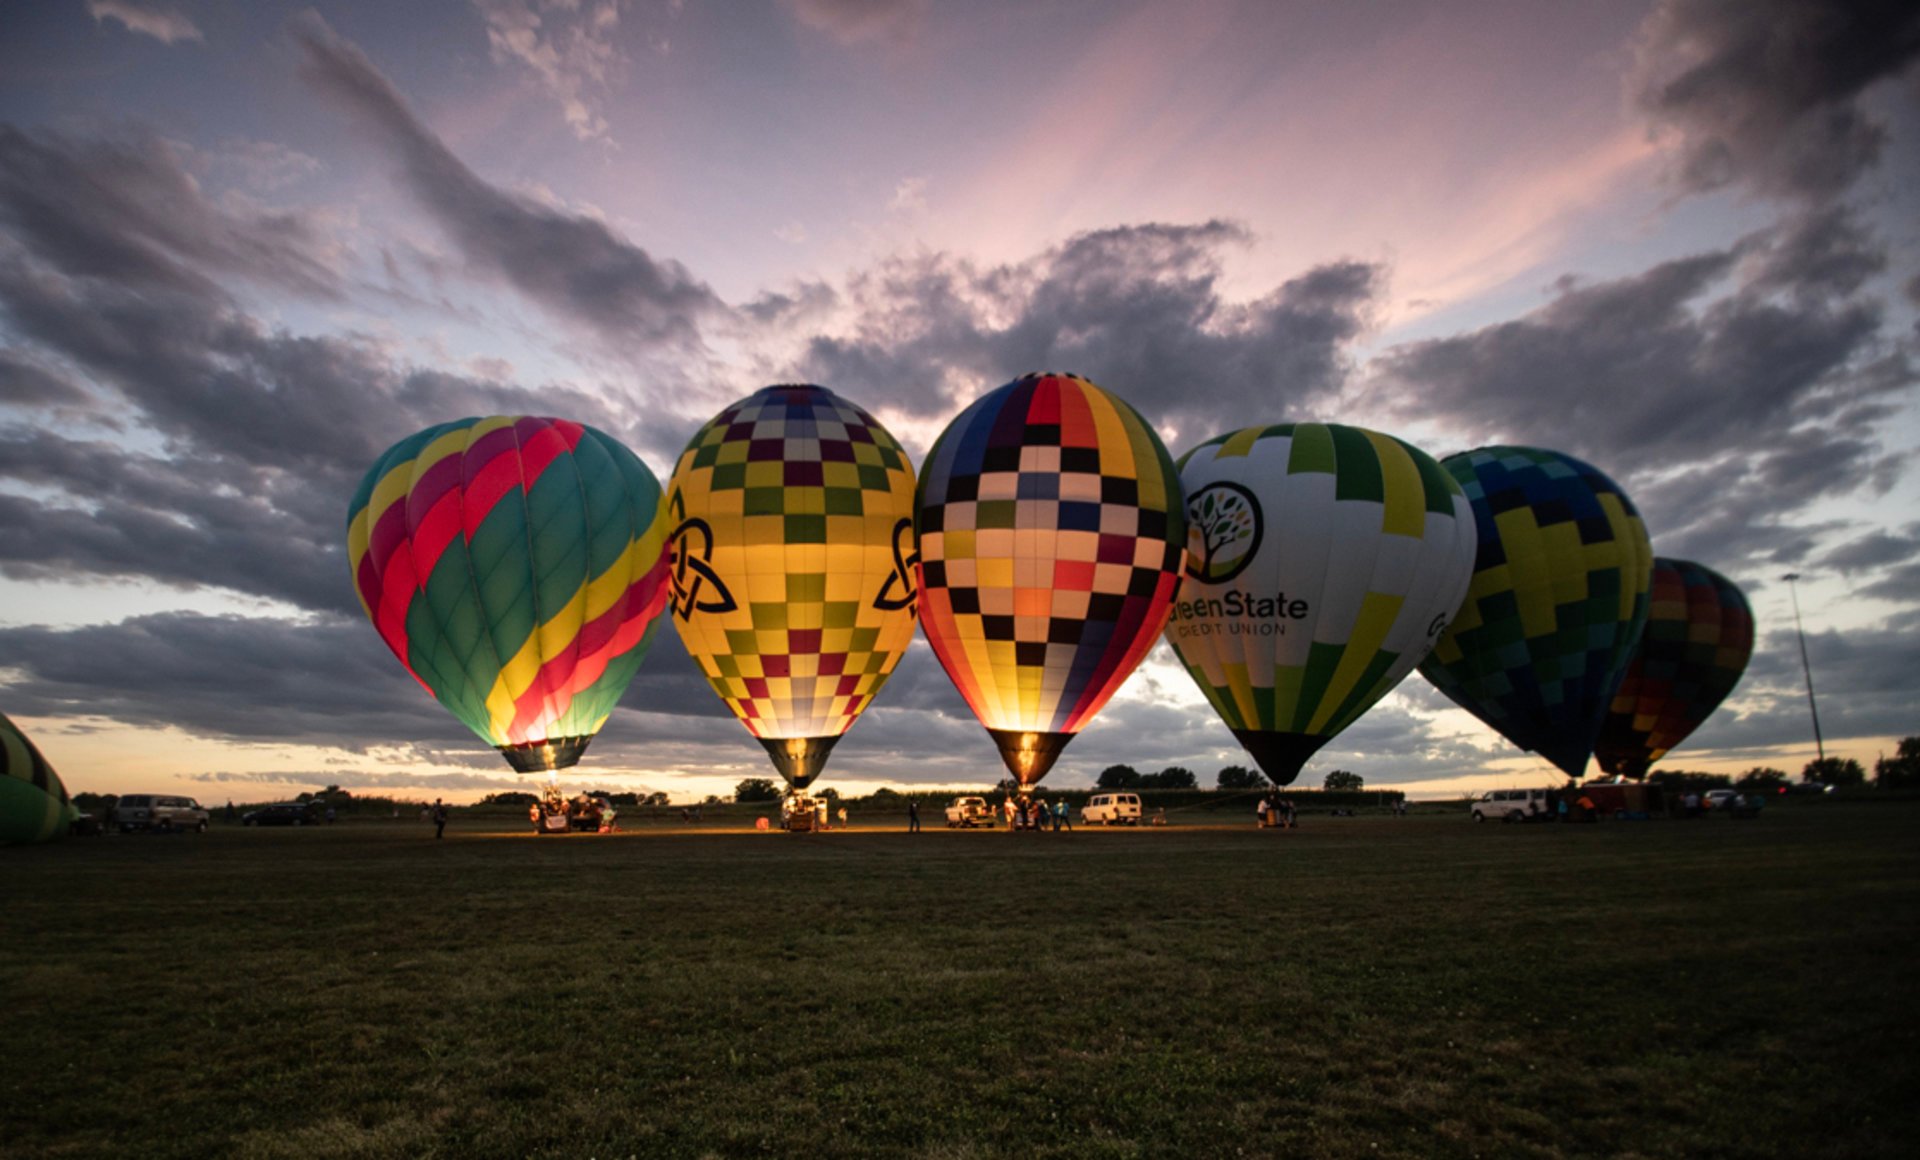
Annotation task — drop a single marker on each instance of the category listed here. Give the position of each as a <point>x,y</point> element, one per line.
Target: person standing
<point>843,817</point>
<point>439,818</point>
<point>913,816</point>
<point>1260,812</point>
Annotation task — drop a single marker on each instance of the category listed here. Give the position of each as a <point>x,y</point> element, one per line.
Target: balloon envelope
<point>793,586</point>
<point>1556,604</point>
<point>1698,640</point>
<point>1322,563</point>
<point>33,803</point>
<point>516,566</point>
<point>1051,533</point>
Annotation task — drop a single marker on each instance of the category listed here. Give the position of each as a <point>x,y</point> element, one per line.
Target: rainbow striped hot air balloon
<point>792,536</point>
<point>1556,605</point>
<point>33,803</point>
<point>1052,533</point>
<point>516,566</point>
<point>1698,640</point>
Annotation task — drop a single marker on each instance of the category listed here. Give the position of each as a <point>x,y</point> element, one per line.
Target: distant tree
<point>92,801</point>
<point>1006,785</point>
<point>714,799</point>
<point>1684,780</point>
<point>1761,779</point>
<point>885,795</point>
<point>656,798</point>
<point>1119,777</point>
<point>1901,771</point>
<point>1838,772</point>
<point>1343,780</point>
<point>512,797</point>
<point>753,789</point>
<point>832,795</point>
<point>1172,777</point>
<point>1240,777</point>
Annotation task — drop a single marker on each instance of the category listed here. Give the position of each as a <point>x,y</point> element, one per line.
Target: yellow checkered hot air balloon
<point>793,553</point>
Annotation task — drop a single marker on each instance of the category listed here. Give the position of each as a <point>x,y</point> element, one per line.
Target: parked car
<point>283,814</point>
<point>967,812</point>
<point>1111,809</point>
<point>152,811</point>
<point>1510,805</point>
<point>1720,799</point>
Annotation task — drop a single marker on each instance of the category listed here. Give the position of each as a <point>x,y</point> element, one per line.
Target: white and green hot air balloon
<point>1323,562</point>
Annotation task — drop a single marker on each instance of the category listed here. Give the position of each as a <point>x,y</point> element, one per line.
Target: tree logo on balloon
<point>1224,528</point>
<point>906,557</point>
<point>687,596</point>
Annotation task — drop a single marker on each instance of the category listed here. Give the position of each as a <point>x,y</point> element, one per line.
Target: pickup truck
<point>967,812</point>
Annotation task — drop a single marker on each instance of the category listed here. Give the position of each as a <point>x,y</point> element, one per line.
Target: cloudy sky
<point>246,246</point>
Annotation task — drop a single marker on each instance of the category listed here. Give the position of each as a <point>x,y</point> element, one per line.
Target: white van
<point>1112,809</point>
<point>1510,805</point>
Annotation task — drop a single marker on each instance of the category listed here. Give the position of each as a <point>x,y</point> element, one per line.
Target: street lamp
<point>1805,667</point>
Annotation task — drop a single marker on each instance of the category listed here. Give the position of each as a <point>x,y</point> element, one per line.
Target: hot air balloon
<point>33,804</point>
<point>1698,639</point>
<point>1556,604</point>
<point>792,533</point>
<point>516,566</point>
<point>1052,532</point>
<point>1323,562</point>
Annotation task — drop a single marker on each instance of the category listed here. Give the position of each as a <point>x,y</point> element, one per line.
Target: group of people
<point>1035,814</point>
<point>555,813</point>
<point>1276,812</point>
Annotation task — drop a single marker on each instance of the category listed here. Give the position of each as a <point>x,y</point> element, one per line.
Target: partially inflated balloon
<point>1698,639</point>
<point>1556,605</point>
<point>516,566</point>
<point>33,804</point>
<point>1051,533</point>
<point>1322,563</point>
<point>793,585</point>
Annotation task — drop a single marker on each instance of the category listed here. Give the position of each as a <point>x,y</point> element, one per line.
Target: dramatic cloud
<point>568,45</point>
<point>126,210</point>
<point>861,21</point>
<point>327,681</point>
<point>1768,91</point>
<point>165,24</point>
<point>1759,368</point>
<point>1138,309</point>
<point>1893,556</point>
<point>575,267</point>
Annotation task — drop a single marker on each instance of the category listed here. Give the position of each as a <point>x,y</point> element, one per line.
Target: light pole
<point>1805,666</point>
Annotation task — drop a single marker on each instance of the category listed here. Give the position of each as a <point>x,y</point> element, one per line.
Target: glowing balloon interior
<point>34,806</point>
<point>517,567</point>
<point>1556,604</point>
<point>793,555</point>
<point>1323,561</point>
<point>1052,532</point>
<point>1698,640</point>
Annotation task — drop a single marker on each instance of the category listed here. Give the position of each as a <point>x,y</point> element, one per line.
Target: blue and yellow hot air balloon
<point>517,567</point>
<point>1323,561</point>
<point>792,547</point>
<point>1052,530</point>
<point>1698,640</point>
<point>1556,605</point>
<point>34,806</point>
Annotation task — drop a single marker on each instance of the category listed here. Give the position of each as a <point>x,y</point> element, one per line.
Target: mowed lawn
<point>1358,987</point>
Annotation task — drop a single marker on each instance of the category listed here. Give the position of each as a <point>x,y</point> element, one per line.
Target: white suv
<point>1509,805</point>
<point>1112,809</point>
<point>152,811</point>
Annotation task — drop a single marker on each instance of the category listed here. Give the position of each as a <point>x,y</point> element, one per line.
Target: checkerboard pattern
<point>33,803</point>
<point>792,516</point>
<point>1698,640</point>
<point>1557,602</point>
<point>1052,533</point>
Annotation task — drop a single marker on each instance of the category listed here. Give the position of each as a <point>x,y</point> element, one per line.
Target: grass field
<point>1358,987</point>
